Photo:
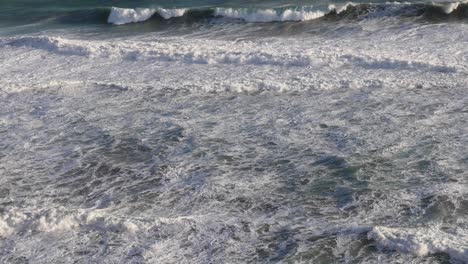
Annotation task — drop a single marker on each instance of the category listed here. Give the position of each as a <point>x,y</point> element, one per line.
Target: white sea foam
<point>450,7</point>
<point>61,220</point>
<point>340,8</point>
<point>120,16</point>
<point>420,241</point>
<point>423,241</point>
<point>160,52</point>
<point>95,120</point>
<point>170,13</point>
<point>216,54</point>
<point>269,15</point>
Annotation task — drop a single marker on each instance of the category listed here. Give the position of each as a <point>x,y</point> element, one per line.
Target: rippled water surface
<point>263,135</point>
<point>109,173</point>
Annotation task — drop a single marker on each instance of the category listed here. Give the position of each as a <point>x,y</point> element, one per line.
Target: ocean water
<point>233,131</point>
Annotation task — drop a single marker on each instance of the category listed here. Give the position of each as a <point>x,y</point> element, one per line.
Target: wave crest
<point>121,16</point>
<point>269,15</point>
<point>458,10</point>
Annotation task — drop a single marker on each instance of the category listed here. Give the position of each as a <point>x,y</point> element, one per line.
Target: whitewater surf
<point>241,132</point>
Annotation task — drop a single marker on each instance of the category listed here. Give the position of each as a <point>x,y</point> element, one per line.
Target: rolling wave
<point>436,11</point>
<point>121,16</point>
<point>350,10</point>
<point>176,17</point>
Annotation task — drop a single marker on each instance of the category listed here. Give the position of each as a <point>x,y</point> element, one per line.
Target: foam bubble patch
<point>423,241</point>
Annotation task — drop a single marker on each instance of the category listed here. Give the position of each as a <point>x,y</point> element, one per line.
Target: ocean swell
<point>349,10</point>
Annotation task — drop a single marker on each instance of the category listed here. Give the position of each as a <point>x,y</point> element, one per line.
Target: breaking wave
<point>269,15</point>
<point>422,241</point>
<point>350,10</point>
<point>436,11</point>
<point>121,16</point>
